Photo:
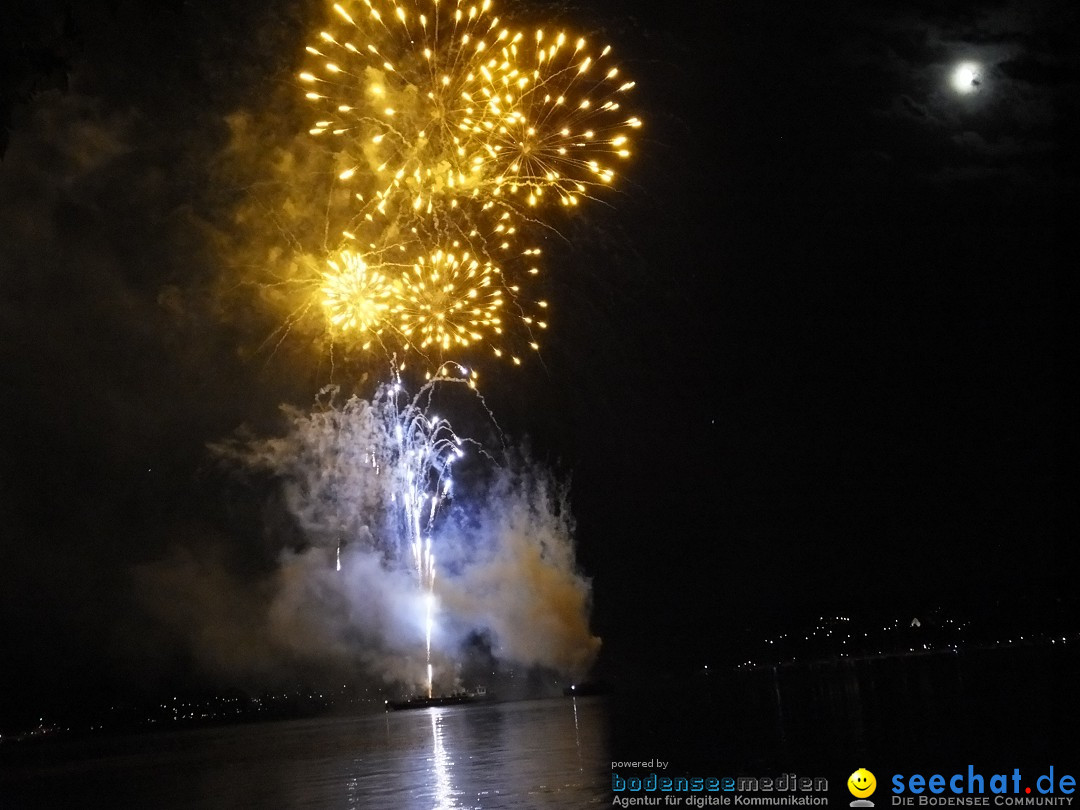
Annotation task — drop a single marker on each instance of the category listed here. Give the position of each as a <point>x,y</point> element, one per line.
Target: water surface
<point>529,754</point>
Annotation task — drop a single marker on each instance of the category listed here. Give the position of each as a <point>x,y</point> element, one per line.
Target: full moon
<point>966,78</point>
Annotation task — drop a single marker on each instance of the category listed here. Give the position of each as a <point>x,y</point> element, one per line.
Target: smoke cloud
<point>343,596</point>
<point>521,585</point>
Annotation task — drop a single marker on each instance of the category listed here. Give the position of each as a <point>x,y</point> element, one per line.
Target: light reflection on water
<point>532,754</point>
<point>917,715</point>
<point>441,764</point>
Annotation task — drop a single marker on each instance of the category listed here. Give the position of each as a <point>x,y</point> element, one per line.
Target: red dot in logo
<point>1027,790</point>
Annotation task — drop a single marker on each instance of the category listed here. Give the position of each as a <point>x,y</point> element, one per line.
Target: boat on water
<point>425,702</point>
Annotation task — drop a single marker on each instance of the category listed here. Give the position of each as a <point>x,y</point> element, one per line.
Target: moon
<point>966,78</point>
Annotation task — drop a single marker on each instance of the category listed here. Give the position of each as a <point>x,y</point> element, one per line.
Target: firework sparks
<point>442,101</point>
<point>445,122</point>
<point>437,302</point>
<point>425,449</point>
<point>560,120</point>
<point>449,301</point>
<point>356,297</point>
<point>400,89</point>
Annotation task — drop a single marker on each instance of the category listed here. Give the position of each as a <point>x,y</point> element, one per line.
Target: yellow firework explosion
<point>450,300</point>
<point>448,125</point>
<point>488,232</point>
<point>432,98</point>
<point>560,120</point>
<point>400,89</point>
<point>356,298</point>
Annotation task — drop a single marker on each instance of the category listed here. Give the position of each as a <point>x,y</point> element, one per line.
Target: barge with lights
<point>434,701</point>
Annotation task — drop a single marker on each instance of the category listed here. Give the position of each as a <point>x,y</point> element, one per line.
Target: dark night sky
<point>808,356</point>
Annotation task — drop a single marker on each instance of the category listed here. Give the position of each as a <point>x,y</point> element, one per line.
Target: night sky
<point>808,355</point>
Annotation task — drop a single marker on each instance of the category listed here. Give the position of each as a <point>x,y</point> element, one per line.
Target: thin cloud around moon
<point>967,78</point>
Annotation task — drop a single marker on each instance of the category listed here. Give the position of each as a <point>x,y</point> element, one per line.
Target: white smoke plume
<point>345,594</point>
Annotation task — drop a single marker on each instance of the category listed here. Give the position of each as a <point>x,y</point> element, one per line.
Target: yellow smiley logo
<point>861,783</point>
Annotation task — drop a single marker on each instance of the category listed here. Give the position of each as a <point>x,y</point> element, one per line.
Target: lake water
<point>530,754</point>
<point>994,711</point>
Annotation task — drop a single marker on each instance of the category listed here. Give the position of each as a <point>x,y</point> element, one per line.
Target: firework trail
<point>501,566</point>
<point>375,474</point>
<point>419,449</point>
<point>426,448</point>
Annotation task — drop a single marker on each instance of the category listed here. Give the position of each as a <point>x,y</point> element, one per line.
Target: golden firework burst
<point>434,98</point>
<point>447,300</point>
<point>355,297</point>
<point>399,89</point>
<point>448,126</point>
<point>560,120</point>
